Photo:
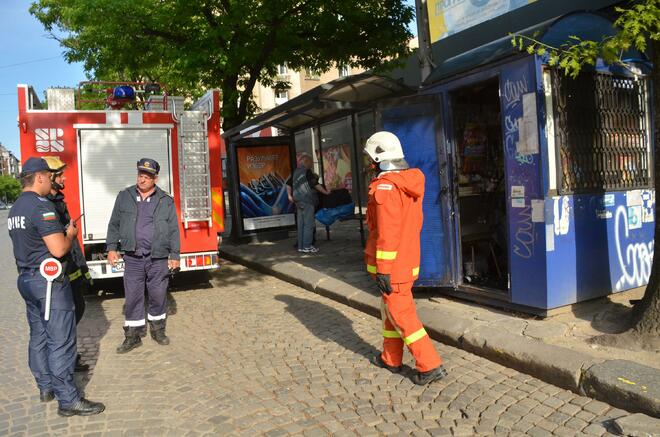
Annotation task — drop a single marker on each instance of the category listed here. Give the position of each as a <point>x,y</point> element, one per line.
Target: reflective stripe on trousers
<point>402,326</point>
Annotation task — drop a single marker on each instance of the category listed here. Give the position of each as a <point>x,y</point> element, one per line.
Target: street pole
<point>424,37</point>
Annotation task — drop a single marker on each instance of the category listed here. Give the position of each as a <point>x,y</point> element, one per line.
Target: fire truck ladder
<point>195,178</point>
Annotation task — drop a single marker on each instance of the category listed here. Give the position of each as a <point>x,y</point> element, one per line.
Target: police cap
<point>149,165</point>
<point>34,165</point>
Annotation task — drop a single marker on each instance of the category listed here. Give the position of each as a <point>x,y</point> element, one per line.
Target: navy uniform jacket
<point>31,218</point>
<point>76,258</point>
<point>121,228</point>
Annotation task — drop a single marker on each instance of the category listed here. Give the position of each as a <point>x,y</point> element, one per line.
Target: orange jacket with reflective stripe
<point>394,217</point>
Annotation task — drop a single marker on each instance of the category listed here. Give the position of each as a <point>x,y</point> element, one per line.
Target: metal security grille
<point>602,133</point>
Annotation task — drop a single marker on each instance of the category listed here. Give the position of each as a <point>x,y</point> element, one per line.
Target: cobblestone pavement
<point>253,355</point>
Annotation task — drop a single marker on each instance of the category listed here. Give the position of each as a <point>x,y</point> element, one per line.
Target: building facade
<point>9,164</point>
<point>300,82</point>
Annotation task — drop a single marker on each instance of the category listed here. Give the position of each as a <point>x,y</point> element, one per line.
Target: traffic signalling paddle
<point>50,269</point>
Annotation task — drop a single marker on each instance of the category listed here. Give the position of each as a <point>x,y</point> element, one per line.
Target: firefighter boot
<point>157,329</point>
<point>131,341</point>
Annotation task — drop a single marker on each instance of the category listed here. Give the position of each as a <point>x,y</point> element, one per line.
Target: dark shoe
<point>80,366</point>
<point>46,395</point>
<point>160,338</point>
<point>423,378</point>
<point>131,341</point>
<point>82,408</point>
<point>377,360</point>
<point>157,329</point>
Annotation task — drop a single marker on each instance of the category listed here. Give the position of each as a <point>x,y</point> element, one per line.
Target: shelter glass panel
<point>307,142</point>
<point>336,150</point>
<point>602,132</point>
<point>366,126</point>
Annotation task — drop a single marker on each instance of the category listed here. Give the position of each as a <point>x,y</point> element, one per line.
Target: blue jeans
<point>52,347</point>
<point>306,224</point>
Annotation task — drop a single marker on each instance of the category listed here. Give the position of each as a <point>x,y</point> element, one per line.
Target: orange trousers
<point>402,326</point>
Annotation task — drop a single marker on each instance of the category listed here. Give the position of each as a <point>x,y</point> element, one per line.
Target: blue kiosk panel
<point>415,125</point>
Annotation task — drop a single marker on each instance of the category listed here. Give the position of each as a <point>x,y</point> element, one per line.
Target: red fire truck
<point>101,148</point>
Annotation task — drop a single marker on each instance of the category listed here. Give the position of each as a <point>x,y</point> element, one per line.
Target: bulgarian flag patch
<point>48,216</point>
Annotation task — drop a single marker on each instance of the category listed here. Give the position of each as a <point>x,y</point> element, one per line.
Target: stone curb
<point>572,370</point>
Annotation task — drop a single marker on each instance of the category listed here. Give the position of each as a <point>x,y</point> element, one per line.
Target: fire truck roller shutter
<point>107,166</point>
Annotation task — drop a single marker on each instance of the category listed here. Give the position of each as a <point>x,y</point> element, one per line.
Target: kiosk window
<point>602,132</point>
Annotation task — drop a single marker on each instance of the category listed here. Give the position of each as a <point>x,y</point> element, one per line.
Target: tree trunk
<point>646,314</point>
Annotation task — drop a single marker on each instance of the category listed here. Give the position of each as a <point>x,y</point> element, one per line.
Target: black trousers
<point>78,287</point>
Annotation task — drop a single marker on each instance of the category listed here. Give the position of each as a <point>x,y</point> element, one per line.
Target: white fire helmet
<point>384,146</point>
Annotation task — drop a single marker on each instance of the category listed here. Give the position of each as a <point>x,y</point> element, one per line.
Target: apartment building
<point>267,98</point>
<point>9,164</point>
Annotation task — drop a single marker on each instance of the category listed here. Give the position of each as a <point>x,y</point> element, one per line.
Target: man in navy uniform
<point>36,235</point>
<point>145,224</point>
<point>76,264</point>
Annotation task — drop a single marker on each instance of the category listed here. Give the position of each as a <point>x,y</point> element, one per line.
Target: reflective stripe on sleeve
<point>87,275</point>
<point>415,336</point>
<point>75,275</point>
<point>372,269</point>
<point>390,334</point>
<point>383,254</point>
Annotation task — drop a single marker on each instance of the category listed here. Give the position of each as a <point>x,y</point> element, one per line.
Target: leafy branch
<point>636,26</point>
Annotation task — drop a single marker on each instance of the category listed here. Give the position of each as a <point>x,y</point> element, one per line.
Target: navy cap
<point>149,165</point>
<point>34,165</point>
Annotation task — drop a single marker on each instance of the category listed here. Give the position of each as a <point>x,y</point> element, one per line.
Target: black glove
<point>384,284</point>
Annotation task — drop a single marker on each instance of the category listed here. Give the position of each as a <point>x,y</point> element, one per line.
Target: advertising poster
<point>263,172</point>
<point>447,17</point>
<point>337,167</point>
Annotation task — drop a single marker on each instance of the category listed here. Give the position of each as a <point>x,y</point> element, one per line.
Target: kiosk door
<point>416,121</point>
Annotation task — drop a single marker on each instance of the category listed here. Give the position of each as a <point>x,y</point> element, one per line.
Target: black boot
<point>157,328</point>
<point>82,408</point>
<point>423,378</point>
<point>80,366</point>
<point>131,341</point>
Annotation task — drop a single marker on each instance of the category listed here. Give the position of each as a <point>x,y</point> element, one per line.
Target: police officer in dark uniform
<point>36,235</point>
<point>75,265</point>
<point>145,225</point>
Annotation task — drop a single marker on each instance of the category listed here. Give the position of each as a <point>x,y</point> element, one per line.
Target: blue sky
<point>28,56</point>
<point>24,40</point>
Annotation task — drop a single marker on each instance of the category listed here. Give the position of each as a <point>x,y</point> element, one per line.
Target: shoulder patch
<point>48,216</point>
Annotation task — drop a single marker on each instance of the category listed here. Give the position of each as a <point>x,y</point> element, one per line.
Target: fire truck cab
<point>102,146</point>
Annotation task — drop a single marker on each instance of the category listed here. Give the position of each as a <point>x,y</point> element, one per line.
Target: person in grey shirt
<point>145,225</point>
<point>302,188</point>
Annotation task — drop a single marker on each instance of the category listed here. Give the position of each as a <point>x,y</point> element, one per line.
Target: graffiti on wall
<point>515,140</point>
<point>514,90</point>
<point>635,259</point>
<point>524,243</point>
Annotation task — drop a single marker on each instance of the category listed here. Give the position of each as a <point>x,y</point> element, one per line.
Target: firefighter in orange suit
<point>394,217</point>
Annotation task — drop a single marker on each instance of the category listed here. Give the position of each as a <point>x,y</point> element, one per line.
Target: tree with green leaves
<point>639,28</point>
<point>194,45</point>
<point>10,188</point>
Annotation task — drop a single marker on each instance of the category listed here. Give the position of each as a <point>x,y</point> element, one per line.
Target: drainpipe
<point>424,38</point>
